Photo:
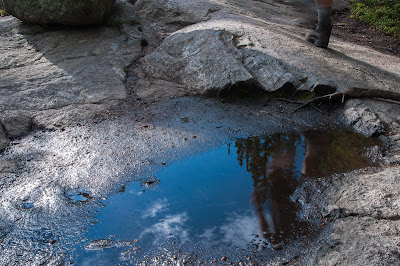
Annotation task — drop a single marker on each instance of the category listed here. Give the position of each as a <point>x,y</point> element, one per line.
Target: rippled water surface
<point>225,201</point>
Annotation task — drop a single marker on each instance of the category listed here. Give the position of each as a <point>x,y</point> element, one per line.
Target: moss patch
<point>381,14</point>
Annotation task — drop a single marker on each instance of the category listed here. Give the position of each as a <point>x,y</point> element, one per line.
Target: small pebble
<point>224,258</point>
<point>277,246</point>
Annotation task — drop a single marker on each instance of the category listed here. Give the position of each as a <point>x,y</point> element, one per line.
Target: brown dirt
<point>355,31</point>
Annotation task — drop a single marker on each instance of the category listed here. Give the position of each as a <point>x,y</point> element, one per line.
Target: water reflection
<point>236,195</point>
<point>271,162</point>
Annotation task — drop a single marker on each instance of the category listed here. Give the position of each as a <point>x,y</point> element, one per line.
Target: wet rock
<point>64,12</point>
<point>109,243</point>
<point>365,217</point>
<point>79,197</point>
<point>204,61</point>
<point>130,253</point>
<point>357,241</point>
<point>363,119</point>
<point>100,244</point>
<point>151,183</point>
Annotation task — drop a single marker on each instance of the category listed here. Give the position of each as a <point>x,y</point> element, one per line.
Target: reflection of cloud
<point>157,207</point>
<point>240,230</point>
<point>172,225</point>
<point>208,233</point>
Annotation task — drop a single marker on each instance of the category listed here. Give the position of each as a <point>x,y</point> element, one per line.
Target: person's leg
<point>320,36</point>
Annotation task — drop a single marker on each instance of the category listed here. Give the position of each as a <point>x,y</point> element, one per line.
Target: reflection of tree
<point>259,153</point>
<point>344,152</point>
<point>270,160</point>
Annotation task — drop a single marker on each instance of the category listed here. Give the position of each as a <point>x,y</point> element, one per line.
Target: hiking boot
<point>321,34</point>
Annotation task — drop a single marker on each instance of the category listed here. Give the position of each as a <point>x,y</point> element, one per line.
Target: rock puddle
<point>229,202</point>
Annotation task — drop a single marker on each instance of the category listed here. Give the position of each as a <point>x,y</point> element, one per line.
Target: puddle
<point>225,202</point>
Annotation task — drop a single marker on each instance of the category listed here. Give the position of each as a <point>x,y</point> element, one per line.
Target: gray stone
<point>362,119</point>
<point>365,228</point>
<point>204,61</point>
<point>16,123</point>
<point>67,12</point>
<point>273,74</point>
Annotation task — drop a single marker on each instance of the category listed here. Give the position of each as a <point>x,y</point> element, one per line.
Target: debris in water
<point>27,205</point>
<point>185,119</point>
<point>77,196</point>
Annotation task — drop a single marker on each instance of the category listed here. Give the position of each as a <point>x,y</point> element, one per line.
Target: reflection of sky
<point>201,199</point>
<point>239,230</point>
<point>170,226</point>
<point>158,206</point>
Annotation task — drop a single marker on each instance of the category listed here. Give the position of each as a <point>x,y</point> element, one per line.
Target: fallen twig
<point>354,93</point>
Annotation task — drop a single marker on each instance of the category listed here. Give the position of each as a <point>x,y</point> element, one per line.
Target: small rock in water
<point>100,244</point>
<point>224,258</point>
<point>277,246</point>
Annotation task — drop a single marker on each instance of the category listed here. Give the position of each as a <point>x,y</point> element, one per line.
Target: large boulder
<point>204,61</point>
<point>67,12</point>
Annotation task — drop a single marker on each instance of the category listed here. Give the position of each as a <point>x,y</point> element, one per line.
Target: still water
<point>235,197</point>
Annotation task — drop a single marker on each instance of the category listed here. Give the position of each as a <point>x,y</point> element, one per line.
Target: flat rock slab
<point>43,73</point>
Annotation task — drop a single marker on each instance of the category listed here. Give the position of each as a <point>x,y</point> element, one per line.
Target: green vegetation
<point>381,14</point>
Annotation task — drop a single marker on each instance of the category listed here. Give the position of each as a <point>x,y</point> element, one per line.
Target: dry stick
<point>355,93</point>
